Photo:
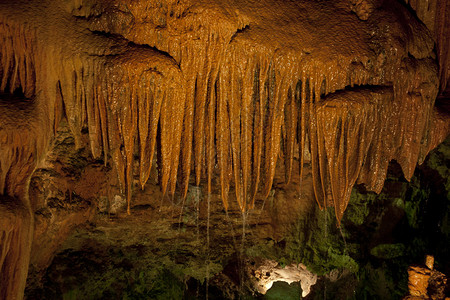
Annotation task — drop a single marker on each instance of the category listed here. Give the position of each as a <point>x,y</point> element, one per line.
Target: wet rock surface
<point>223,95</point>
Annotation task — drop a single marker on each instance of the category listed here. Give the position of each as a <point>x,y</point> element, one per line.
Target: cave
<point>224,149</point>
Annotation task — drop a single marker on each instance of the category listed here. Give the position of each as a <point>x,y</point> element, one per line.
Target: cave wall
<point>215,92</point>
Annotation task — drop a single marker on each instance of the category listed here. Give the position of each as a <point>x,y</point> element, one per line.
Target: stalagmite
<point>224,88</point>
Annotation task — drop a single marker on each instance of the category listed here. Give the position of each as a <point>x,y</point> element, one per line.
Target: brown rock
<point>418,281</point>
<point>436,285</point>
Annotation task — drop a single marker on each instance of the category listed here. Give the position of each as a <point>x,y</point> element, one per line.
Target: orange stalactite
<point>260,97</point>
<point>188,126</point>
<point>223,138</point>
<point>302,115</point>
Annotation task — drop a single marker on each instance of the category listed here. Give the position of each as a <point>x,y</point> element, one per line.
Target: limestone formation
<point>218,91</point>
<point>425,282</point>
<point>269,272</point>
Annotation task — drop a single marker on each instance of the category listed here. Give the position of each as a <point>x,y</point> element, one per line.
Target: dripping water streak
<point>235,244</point>
<point>180,220</point>
<point>325,210</point>
<point>241,252</point>
<point>207,244</point>
<point>343,238</point>
<point>270,197</point>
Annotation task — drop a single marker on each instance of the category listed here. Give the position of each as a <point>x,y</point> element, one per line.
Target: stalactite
<point>245,92</point>
<point>234,102</point>
<point>347,122</point>
<point>134,113</point>
<point>188,129</point>
<point>260,98</point>
<point>17,49</point>
<point>149,112</point>
<point>290,131</point>
<point>302,131</point>
<point>223,139</point>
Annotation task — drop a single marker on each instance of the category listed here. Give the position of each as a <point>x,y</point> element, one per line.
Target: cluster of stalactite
<point>226,100</point>
<point>103,91</point>
<point>359,133</point>
<point>21,139</point>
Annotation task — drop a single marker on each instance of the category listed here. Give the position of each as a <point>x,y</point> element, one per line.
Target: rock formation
<point>216,91</point>
<point>269,272</point>
<point>425,282</point>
